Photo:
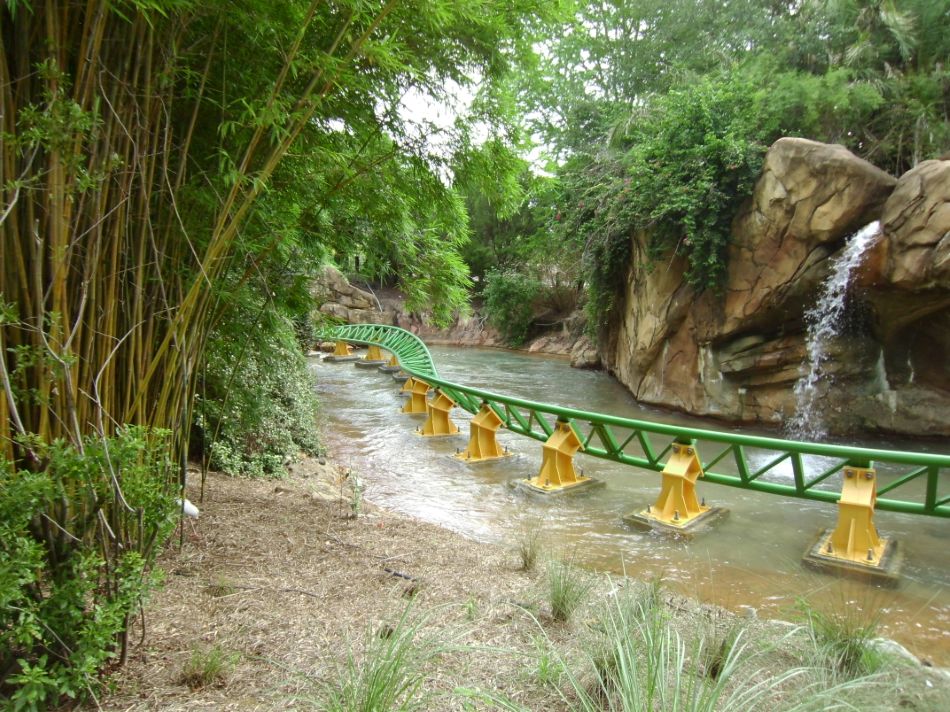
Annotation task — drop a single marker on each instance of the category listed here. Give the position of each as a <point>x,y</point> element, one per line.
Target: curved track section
<point>770,465</point>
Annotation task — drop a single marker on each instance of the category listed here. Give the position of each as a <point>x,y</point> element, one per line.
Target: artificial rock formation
<point>737,355</point>
<point>907,283</point>
<point>337,298</point>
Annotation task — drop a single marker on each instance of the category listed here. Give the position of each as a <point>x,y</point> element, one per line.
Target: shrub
<point>843,640</point>
<point>77,541</point>
<point>207,667</point>
<point>509,303</point>
<point>529,547</point>
<point>257,404</point>
<point>388,676</point>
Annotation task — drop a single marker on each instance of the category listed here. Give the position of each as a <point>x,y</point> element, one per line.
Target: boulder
<point>584,354</point>
<point>738,355</point>
<point>907,281</point>
<point>810,197</point>
<point>331,287</point>
<point>916,224</point>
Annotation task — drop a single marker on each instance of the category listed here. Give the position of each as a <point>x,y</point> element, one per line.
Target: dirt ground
<point>283,582</point>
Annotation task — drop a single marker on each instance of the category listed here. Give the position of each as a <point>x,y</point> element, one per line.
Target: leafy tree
<point>164,167</point>
<point>662,117</point>
<point>510,299</point>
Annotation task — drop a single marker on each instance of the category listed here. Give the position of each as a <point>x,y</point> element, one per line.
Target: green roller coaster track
<point>736,460</point>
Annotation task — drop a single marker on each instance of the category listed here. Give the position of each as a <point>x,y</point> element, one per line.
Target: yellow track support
<point>391,366</point>
<point>855,538</point>
<point>677,501</point>
<point>374,357</point>
<point>438,421</point>
<point>342,351</point>
<point>557,463</point>
<point>417,391</point>
<point>854,544</point>
<point>677,508</point>
<point>482,445</point>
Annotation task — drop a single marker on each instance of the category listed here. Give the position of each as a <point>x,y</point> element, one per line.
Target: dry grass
<point>298,592</point>
<point>281,574</point>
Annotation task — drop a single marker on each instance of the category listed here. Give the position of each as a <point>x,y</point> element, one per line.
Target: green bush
<point>509,303</point>
<point>256,407</point>
<point>678,169</point>
<point>77,540</point>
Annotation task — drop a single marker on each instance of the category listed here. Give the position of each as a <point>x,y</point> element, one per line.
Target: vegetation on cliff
<point>659,115</point>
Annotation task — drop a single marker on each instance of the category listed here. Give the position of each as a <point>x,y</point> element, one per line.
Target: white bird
<point>187,508</point>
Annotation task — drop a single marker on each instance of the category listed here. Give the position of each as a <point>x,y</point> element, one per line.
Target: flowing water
<point>751,561</point>
<point>824,322</point>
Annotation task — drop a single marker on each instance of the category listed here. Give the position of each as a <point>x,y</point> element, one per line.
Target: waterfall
<point>824,322</point>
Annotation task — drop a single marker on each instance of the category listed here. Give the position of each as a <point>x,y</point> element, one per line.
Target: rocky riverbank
<point>738,354</point>
<point>340,299</point>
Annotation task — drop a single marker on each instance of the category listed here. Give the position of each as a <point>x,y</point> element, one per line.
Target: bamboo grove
<point>138,139</point>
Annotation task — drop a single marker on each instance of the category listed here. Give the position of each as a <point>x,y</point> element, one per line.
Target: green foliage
<point>388,673</point>
<point>516,237</point>
<point>65,600</point>
<point>509,303</point>
<point>257,408</point>
<point>567,589</point>
<point>693,158</point>
<point>207,667</point>
<point>686,162</point>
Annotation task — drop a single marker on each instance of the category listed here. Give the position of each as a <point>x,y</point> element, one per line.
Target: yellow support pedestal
<point>438,421</point>
<point>557,473</point>
<point>391,367</point>
<point>417,390</point>
<point>341,352</point>
<point>482,445</point>
<point>677,508</point>
<point>854,545</point>
<point>374,357</point>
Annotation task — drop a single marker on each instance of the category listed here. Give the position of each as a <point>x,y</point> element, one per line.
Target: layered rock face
<point>738,355</point>
<point>338,298</point>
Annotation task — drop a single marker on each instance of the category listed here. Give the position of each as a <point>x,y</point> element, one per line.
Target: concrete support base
<point>884,571</point>
<point>341,359</point>
<point>460,457</point>
<point>582,483</point>
<point>687,529</point>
